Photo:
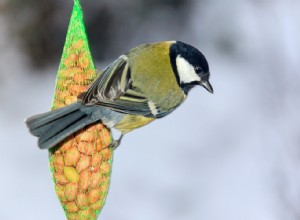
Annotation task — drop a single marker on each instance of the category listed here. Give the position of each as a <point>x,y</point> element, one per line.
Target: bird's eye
<point>198,69</point>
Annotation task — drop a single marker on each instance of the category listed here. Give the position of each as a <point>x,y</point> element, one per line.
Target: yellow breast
<point>131,122</point>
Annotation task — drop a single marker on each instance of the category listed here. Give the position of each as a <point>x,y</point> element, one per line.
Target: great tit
<point>146,83</point>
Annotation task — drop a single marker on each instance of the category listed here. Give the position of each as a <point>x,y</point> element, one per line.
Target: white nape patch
<point>153,108</point>
<point>186,71</point>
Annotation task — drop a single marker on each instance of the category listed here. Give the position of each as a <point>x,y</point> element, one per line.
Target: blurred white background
<point>232,155</point>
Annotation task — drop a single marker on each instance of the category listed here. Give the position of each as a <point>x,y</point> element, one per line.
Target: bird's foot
<point>115,144</point>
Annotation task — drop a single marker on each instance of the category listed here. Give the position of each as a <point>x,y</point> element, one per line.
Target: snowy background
<point>228,156</point>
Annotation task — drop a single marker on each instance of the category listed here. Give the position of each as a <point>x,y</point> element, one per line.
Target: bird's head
<point>190,66</point>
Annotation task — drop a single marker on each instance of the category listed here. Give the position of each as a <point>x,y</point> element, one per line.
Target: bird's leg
<point>115,144</point>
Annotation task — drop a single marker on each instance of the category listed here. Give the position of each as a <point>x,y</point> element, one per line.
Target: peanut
<point>105,136</point>
<point>60,191</point>
<point>95,179</point>
<point>61,95</point>
<point>58,163</point>
<point>77,89</point>
<point>84,179</point>
<point>86,148</point>
<point>67,144</point>
<point>69,73</point>
<point>71,191</point>
<point>99,126</point>
<point>94,195</point>
<point>83,63</point>
<point>99,145</point>
<point>71,207</point>
<point>92,129</point>
<point>72,216</point>
<point>105,167</point>
<point>106,153</point>
<point>83,163</point>
<point>72,156</point>
<point>80,78</point>
<point>70,99</point>
<point>84,214</point>
<point>82,200</point>
<point>60,178</point>
<point>97,205</point>
<point>87,137</point>
<point>59,105</point>
<point>71,60</point>
<point>71,174</point>
<point>96,159</point>
<point>77,45</point>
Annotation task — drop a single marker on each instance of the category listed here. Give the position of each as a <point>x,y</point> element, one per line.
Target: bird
<point>148,82</point>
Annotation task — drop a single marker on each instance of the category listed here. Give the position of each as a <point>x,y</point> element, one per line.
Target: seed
<point>71,60</point>
<point>70,99</point>
<point>77,89</point>
<point>60,178</point>
<point>84,214</point>
<point>105,182</point>
<point>82,200</point>
<point>77,45</point>
<point>92,129</point>
<point>71,207</point>
<point>71,174</point>
<point>95,179</point>
<point>106,153</point>
<point>69,72</point>
<point>83,63</point>
<point>106,139</point>
<point>86,148</point>
<point>80,78</point>
<point>105,167</point>
<point>96,159</point>
<point>91,73</point>
<point>72,216</point>
<point>83,163</point>
<point>87,137</point>
<point>72,156</point>
<point>97,205</point>
<point>60,191</point>
<point>84,179</point>
<point>58,163</point>
<point>58,105</point>
<point>99,126</point>
<point>71,191</point>
<point>61,95</point>
<point>94,195</point>
<point>67,144</point>
<point>99,145</point>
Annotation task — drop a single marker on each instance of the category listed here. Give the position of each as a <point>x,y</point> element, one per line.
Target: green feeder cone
<point>81,165</point>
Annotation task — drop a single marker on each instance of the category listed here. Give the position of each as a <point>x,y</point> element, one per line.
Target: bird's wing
<point>113,89</point>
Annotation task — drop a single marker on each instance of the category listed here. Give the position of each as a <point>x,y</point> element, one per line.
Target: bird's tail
<point>54,126</point>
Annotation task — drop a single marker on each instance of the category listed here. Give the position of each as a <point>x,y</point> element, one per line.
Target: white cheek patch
<point>186,71</point>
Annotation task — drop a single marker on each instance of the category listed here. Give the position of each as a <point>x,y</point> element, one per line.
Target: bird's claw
<point>115,144</point>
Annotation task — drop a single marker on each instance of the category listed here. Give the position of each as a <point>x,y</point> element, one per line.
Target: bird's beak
<point>207,86</point>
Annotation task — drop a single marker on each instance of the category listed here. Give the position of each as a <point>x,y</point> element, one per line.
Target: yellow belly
<point>131,122</point>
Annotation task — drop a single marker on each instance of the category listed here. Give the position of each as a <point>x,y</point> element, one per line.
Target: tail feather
<point>37,121</point>
<point>50,141</point>
<point>54,126</point>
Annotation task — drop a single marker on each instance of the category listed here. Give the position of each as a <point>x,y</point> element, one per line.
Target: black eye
<point>198,69</point>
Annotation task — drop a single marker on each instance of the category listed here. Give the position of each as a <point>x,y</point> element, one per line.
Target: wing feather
<point>113,89</point>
